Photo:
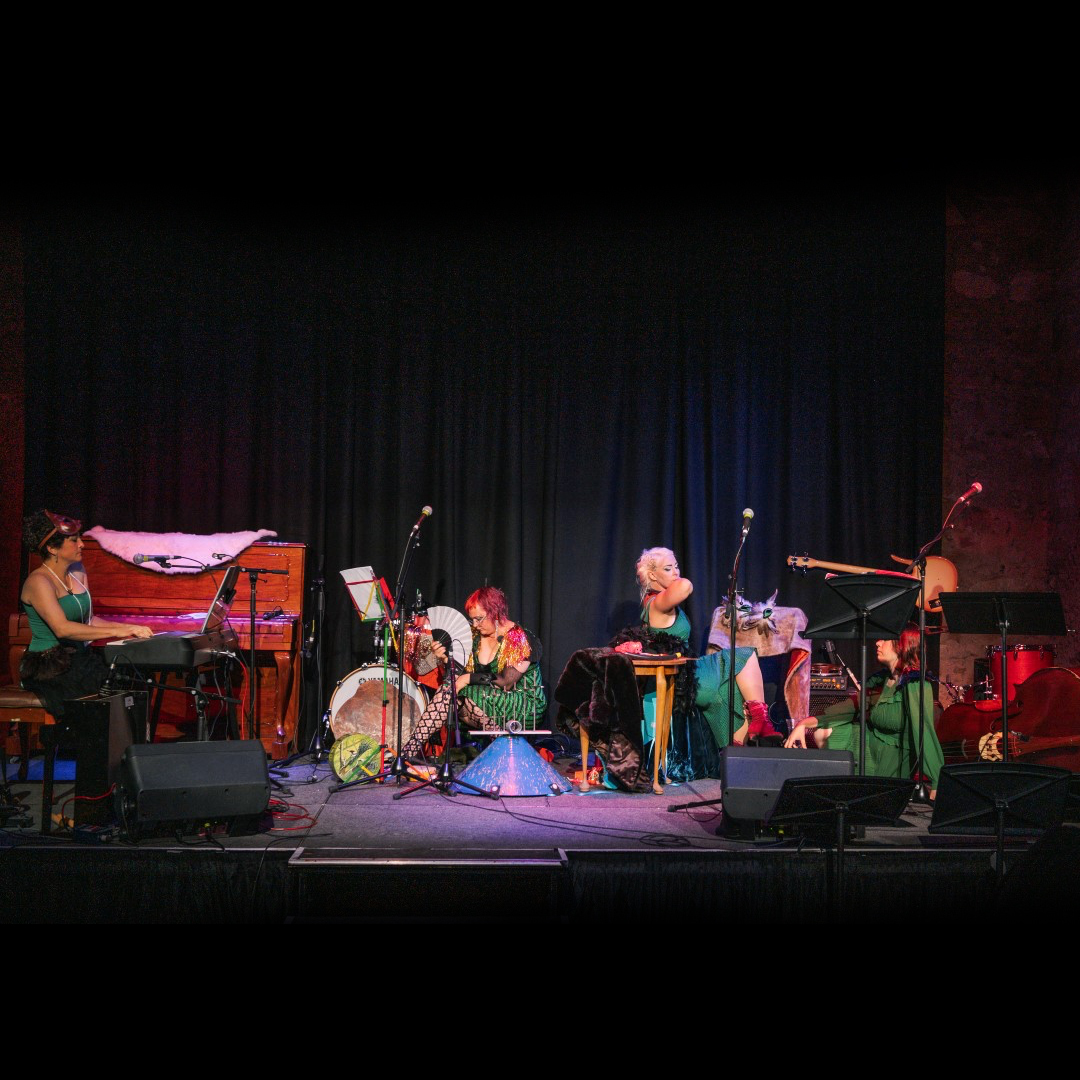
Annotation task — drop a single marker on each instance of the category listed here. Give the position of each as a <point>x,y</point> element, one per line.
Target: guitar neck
<point>801,562</point>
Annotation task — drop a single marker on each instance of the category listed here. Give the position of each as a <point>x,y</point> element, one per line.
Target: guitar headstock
<point>800,562</point>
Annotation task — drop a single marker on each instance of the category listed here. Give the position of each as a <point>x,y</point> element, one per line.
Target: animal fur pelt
<point>199,548</point>
<point>598,691</point>
<point>770,630</point>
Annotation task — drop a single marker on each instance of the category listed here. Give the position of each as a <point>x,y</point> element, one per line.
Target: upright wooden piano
<point>127,593</point>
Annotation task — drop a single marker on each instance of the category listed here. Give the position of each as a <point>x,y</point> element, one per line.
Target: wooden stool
<point>24,708</point>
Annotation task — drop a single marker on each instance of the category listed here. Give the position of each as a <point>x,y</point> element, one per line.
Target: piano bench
<point>24,709</point>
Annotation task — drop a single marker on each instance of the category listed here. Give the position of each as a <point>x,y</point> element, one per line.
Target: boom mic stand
<point>313,649</point>
<point>254,573</point>
<point>917,566</point>
<point>748,515</point>
<point>399,769</point>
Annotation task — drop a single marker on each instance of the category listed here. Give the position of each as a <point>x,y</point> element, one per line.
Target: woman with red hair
<point>501,678</point>
<point>892,728</point>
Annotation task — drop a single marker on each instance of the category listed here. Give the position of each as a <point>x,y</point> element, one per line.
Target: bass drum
<point>356,705</point>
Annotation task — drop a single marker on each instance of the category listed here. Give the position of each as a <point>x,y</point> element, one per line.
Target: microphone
<point>425,513</point>
<point>161,560</point>
<point>747,517</point>
<point>279,610</point>
<point>839,662</point>
<point>106,687</point>
<point>973,490</point>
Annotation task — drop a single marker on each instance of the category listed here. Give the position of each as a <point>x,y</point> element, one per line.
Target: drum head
<point>354,757</point>
<point>356,705</point>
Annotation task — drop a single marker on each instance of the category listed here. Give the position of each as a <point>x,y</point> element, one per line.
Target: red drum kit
<point>1023,662</point>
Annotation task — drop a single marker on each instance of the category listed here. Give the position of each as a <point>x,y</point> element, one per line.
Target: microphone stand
<point>444,780</point>
<point>921,793</point>
<point>313,649</point>
<point>198,695</point>
<point>254,573</point>
<point>399,769</point>
<point>732,631</point>
<point>731,669</point>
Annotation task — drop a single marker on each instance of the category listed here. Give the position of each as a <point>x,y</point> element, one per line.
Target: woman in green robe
<point>892,729</point>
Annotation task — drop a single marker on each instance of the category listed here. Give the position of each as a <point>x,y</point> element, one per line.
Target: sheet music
<point>364,588</point>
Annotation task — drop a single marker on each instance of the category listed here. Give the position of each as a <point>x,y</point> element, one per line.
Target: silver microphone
<point>161,560</point>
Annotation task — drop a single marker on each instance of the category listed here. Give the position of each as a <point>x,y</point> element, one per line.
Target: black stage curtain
<point>564,389</point>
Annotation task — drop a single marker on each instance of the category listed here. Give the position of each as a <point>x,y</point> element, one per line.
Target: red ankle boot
<point>757,714</point>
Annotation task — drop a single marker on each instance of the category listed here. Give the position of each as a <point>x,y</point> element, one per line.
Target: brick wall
<point>1011,335</point>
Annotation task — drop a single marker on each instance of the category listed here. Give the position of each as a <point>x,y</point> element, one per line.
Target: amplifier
<point>827,677</point>
<point>751,777</point>
<point>99,730</point>
<point>820,700</point>
<point>180,787</point>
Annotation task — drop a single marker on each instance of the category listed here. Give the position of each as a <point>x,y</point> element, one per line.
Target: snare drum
<point>1024,661</point>
<point>356,704</point>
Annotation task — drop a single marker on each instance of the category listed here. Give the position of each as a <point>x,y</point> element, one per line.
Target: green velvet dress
<point>680,629</point>
<point>892,729</point>
<point>700,733</point>
<point>714,688</point>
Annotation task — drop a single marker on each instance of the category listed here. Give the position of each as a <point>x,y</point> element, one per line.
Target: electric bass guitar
<point>941,574</point>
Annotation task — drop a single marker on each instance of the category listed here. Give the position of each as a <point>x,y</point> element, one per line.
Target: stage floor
<point>364,855</point>
<point>308,813</point>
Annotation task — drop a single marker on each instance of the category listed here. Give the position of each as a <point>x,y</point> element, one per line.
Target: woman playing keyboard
<point>57,665</point>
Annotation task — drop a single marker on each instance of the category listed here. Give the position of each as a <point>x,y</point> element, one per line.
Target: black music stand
<point>997,798</point>
<point>839,802</point>
<point>855,605</point>
<point>1000,613</point>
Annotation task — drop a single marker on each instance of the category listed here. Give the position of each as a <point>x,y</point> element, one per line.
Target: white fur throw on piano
<point>127,545</point>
